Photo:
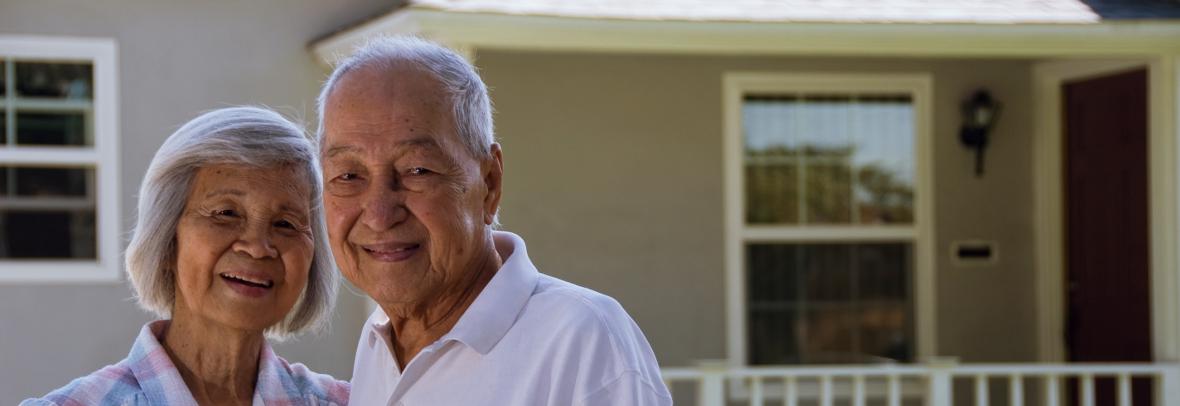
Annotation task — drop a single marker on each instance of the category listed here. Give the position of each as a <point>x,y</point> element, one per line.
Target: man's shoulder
<point>576,304</point>
<point>112,385</point>
<point>584,319</point>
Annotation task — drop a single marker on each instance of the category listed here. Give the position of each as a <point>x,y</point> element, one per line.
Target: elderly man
<point>413,181</point>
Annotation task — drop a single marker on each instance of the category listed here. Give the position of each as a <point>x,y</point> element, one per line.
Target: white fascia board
<point>542,33</point>
<point>337,46</point>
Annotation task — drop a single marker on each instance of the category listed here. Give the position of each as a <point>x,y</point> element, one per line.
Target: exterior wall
<point>614,177</point>
<point>176,59</point>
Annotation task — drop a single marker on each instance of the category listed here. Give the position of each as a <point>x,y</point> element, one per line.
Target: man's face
<point>408,207</point>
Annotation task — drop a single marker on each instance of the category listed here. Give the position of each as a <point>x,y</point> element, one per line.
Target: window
<point>827,239</point>
<point>58,160</point>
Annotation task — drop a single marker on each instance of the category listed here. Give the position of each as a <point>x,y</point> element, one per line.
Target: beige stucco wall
<point>614,177</point>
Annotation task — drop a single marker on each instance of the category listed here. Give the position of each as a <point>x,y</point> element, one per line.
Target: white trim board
<point>734,86</point>
<point>104,156</point>
<point>546,33</point>
<point>1049,201</point>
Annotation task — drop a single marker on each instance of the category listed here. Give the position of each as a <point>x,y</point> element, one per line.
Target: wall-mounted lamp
<point>979,115</point>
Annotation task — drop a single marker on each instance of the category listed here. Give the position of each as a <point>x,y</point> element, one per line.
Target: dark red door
<point>1108,279</point>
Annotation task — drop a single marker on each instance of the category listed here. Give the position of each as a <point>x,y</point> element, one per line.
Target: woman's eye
<point>347,176</point>
<point>419,171</point>
<point>225,213</point>
<point>284,224</point>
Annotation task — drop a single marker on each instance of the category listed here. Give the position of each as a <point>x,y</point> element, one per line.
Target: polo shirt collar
<point>494,311</point>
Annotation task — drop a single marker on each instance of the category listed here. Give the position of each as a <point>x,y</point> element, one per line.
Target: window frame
<point>103,156</point>
<point>735,86</point>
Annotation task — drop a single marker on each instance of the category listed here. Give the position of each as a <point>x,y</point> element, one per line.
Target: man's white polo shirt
<point>527,339</point>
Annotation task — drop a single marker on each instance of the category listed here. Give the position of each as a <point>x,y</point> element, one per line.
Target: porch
<point>935,383</point>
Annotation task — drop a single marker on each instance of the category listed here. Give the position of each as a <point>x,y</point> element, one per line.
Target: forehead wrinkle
<point>224,191</point>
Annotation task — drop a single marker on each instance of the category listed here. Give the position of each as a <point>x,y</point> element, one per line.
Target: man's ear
<point>493,169</point>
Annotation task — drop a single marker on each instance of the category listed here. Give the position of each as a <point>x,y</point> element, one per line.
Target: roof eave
<point>548,33</point>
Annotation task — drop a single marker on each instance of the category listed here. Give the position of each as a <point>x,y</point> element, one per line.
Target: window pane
<point>883,331</point>
<point>829,193</point>
<point>771,194</point>
<point>829,335</point>
<point>884,159</point>
<point>829,303</point>
<point>45,182</point>
<point>51,129</point>
<point>882,272</point>
<point>3,127</point>
<point>824,126</point>
<point>772,337</point>
<point>54,80</point>
<point>855,152</point>
<point>774,275</point>
<point>4,173</point>
<point>3,78</point>
<point>828,270</point>
<point>47,234</point>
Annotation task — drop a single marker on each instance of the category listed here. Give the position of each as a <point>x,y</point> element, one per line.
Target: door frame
<point>1049,204</point>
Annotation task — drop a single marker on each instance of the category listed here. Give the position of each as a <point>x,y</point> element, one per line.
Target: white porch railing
<point>930,384</point>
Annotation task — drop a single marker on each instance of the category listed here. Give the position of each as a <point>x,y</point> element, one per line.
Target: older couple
<point>230,249</point>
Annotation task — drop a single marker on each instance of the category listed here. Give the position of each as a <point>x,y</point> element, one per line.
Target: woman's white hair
<point>470,105</point>
<point>250,136</point>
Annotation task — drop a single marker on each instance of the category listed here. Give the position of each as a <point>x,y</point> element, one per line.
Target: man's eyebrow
<point>336,150</point>
<point>425,142</point>
<point>219,192</point>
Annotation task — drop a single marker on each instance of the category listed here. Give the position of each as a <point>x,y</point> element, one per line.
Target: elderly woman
<point>229,249</point>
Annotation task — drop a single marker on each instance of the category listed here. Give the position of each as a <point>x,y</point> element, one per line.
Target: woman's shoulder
<point>112,385</point>
<point>314,384</point>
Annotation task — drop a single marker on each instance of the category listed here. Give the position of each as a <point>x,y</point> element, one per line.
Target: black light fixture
<point>979,115</point>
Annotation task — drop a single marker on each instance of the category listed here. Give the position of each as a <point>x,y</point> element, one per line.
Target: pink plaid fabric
<point>148,377</point>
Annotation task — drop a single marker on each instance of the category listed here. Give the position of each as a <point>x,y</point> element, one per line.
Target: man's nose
<point>255,241</point>
<point>384,207</point>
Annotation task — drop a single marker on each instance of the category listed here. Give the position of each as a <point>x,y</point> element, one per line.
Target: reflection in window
<point>829,303</point>
<point>51,129</point>
<point>47,234</point>
<point>828,159</point>
<point>30,181</point>
<point>54,80</point>
<point>47,213</point>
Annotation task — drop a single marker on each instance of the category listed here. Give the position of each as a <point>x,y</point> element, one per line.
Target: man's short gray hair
<point>250,136</point>
<point>471,107</point>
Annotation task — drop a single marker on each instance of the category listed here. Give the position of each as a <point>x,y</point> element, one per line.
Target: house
<point>781,193</point>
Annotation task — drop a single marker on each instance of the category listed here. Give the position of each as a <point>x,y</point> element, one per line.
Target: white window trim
<point>919,86</point>
<point>104,156</point>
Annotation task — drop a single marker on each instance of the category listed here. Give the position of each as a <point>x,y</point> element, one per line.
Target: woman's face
<point>244,245</point>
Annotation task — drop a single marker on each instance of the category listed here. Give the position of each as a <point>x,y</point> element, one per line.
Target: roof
<point>825,11</point>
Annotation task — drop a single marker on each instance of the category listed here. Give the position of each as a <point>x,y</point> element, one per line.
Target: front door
<point>1106,189</point>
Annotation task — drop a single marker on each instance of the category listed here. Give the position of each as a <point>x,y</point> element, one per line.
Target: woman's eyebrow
<point>219,192</point>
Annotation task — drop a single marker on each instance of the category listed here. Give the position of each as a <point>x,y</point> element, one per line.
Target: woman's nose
<point>255,241</point>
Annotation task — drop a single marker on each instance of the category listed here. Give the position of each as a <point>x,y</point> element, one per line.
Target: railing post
<point>1169,385</point>
<point>712,389</point>
<point>940,380</point>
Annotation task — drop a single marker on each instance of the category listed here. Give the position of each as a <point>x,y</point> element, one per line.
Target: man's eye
<point>225,213</point>
<point>420,171</point>
<point>347,176</point>
<point>284,224</point>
